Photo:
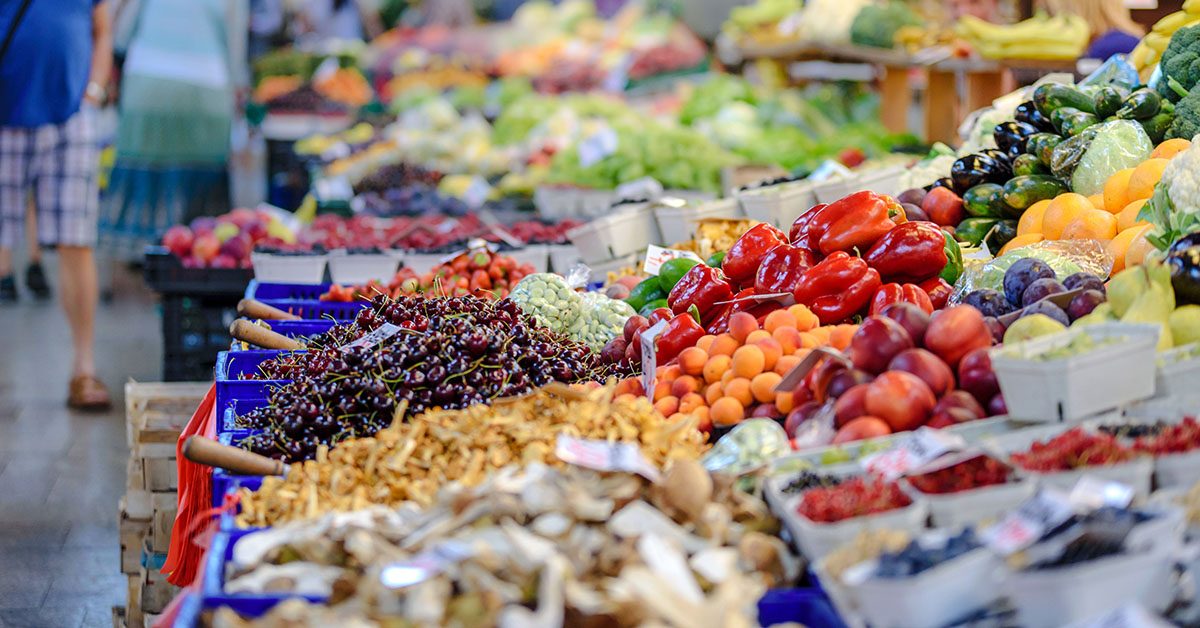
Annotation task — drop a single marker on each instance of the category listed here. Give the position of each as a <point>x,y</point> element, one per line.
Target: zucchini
<point>984,200</point>
<point>1040,145</point>
<point>1157,126</point>
<point>1108,99</point>
<point>999,235</point>
<point>973,230</point>
<point>1070,121</point>
<point>1050,97</point>
<point>1140,105</point>
<point>1023,191</point>
<point>1028,164</point>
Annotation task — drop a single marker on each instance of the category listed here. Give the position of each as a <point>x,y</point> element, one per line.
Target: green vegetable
<point>715,259</point>
<point>1042,145</point>
<point>1049,97</point>
<point>1141,105</point>
<point>999,235</point>
<point>1087,160</point>
<point>876,24</point>
<point>1108,99</point>
<point>1023,191</point>
<point>1186,123</point>
<point>1028,164</point>
<point>973,230</point>
<point>1179,66</point>
<point>649,289</point>
<point>1156,128</point>
<point>954,263</point>
<point>1070,121</point>
<point>651,306</point>
<point>671,271</point>
<point>984,200</point>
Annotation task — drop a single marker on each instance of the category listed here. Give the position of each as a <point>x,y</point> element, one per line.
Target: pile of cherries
<point>449,353</point>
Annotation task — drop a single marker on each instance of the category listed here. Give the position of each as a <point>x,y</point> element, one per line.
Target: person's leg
<point>68,202</point>
<point>14,190</point>
<point>35,275</point>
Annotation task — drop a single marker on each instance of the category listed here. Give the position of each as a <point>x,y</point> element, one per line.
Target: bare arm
<point>372,25</point>
<point>102,47</point>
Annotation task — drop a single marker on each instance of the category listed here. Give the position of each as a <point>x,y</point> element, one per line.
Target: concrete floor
<point>62,472</point>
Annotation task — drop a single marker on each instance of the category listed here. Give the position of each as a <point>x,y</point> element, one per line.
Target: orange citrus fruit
<point>1129,216</point>
<point>1020,241</point>
<point>1095,224</point>
<point>1097,200</point>
<point>1170,148</point>
<point>1031,220</point>
<point>1116,190</point>
<point>1144,178</point>
<point>1062,211</point>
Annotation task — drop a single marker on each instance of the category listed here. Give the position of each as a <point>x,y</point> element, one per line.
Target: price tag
<point>645,187</point>
<point>1092,493</point>
<point>656,256</point>
<point>325,70</point>
<point>597,146</point>
<point>381,333</point>
<point>333,189</point>
<point>425,565</point>
<point>810,362</point>
<point>919,448</point>
<point>1022,527</point>
<point>649,356</point>
<point>603,455</point>
<point>477,192</point>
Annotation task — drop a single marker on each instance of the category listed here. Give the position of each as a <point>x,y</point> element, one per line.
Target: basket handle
<point>257,335</point>
<point>251,308</point>
<point>209,452</point>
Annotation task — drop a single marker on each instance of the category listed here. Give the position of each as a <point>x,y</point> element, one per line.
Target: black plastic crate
<point>195,329</point>
<point>166,274</point>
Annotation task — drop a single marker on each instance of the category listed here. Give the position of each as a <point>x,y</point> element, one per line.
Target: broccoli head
<point>1180,64</point>
<point>876,24</point>
<point>1187,117</point>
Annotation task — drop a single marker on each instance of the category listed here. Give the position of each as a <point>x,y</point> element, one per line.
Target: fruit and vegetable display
<point>964,476</point>
<point>1063,36</point>
<point>443,353</point>
<point>479,273</point>
<point>226,241</point>
<point>856,497</point>
<point>915,557</point>
<point>1076,448</point>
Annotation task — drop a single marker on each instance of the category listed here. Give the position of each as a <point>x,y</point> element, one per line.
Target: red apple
<point>901,399</point>
<point>955,332</point>
<point>241,216</point>
<point>851,405</point>
<point>844,380</point>
<point>949,417</point>
<point>960,400</point>
<point>223,261</point>
<point>913,319</point>
<point>178,239</point>
<point>996,327</point>
<point>975,375</point>
<point>256,230</point>
<point>799,415</point>
<point>206,247</point>
<point>634,325</point>
<point>237,247</point>
<point>819,378</point>
<point>613,351</point>
<point>876,342</point>
<point>765,410</point>
<point>930,368</point>
<point>860,428</point>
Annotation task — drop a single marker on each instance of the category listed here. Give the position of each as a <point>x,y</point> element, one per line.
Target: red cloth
<point>195,498</point>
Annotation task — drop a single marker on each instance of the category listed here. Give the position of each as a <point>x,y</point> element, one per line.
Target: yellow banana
<point>1139,54</point>
<point>1157,41</point>
<point>1192,6</point>
<point>1171,23</point>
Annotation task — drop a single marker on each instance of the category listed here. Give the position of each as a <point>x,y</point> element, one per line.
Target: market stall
<point>532,361</point>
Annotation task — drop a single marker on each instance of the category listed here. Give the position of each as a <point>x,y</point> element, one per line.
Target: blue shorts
<point>58,165</point>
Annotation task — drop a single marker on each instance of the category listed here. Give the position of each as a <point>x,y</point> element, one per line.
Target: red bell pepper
<point>744,302</point>
<point>781,269</point>
<point>743,258</point>
<point>897,293</point>
<point>660,314</point>
<point>718,320</point>
<point>859,229</point>
<point>800,226</point>
<point>703,286</point>
<point>912,252</point>
<point>837,288</point>
<point>939,291</point>
<point>681,332</point>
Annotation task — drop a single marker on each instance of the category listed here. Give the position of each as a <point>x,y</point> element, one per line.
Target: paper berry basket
<point>816,539</point>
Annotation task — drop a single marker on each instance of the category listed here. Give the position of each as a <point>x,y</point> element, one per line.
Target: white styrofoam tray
<point>1136,473</point>
<point>302,269</point>
<point>679,224</point>
<point>359,268</point>
<point>816,539</point>
<point>938,596</point>
<point>563,257</point>
<point>536,254</point>
<point>628,231</point>
<point>881,181</point>
<point>422,263</point>
<point>954,511</point>
<point>779,205</point>
<point>1068,389</point>
<point>1177,377</point>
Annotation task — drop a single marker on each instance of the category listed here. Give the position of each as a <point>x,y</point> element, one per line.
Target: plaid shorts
<point>58,164</point>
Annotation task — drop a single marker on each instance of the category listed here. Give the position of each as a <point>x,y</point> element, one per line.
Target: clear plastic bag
<point>1087,160</point>
<point>750,445</point>
<point>600,319</point>
<point>549,299</point>
<point>1066,257</point>
<point>1115,71</point>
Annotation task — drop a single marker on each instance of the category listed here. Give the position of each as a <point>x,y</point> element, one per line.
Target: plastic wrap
<point>549,299</point>
<point>752,444</point>
<point>1115,71</point>
<point>600,319</point>
<point>1087,160</point>
<point>1066,257</point>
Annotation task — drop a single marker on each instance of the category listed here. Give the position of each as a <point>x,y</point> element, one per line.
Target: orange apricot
<point>662,389</point>
<point>727,411</point>
<point>723,345</point>
<point>785,401</point>
<point>779,319</point>
<point>772,351</point>
<point>713,393</point>
<point>739,388</point>
<point>788,339</point>
<point>786,363</point>
<point>705,342</point>
<point>748,361</point>
<point>805,319</point>
<point>690,402</point>
<point>684,385</point>
<point>667,405</point>
<point>716,366</point>
<point>692,360</point>
<point>741,325</point>
<point>763,386</point>
<point>840,335</point>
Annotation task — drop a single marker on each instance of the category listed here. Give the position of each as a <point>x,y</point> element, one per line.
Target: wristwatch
<point>95,92</point>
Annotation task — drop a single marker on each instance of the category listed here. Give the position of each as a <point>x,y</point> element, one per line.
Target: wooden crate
<point>155,592</point>
<point>160,531</point>
<point>160,474</point>
<point>134,616</point>
<point>142,505</point>
<point>132,534</point>
<point>156,412</point>
<point>118,617</point>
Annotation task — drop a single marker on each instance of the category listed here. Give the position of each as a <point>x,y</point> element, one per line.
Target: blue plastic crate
<point>222,480</point>
<point>306,292</point>
<point>213,581</point>
<point>293,329</point>
<point>231,365</point>
<point>237,408</point>
<point>308,309</point>
<point>809,607</point>
<point>188,614</point>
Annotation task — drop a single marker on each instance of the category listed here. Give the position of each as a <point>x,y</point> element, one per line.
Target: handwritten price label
<point>1024,526</point>
<point>656,256</point>
<point>650,356</point>
<point>602,455</point>
<point>381,333</point>
<point>918,449</point>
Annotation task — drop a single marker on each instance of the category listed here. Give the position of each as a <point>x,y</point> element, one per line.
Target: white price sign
<point>656,256</point>
<point>381,333</point>
<point>1022,527</point>
<point>597,146</point>
<point>650,356</point>
<point>919,448</point>
<point>603,455</point>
